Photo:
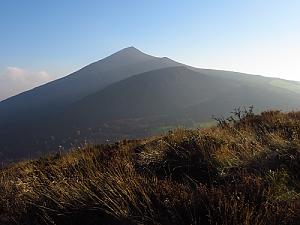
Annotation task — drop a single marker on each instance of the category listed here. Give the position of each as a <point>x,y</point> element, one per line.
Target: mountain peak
<point>131,50</point>
<point>128,56</point>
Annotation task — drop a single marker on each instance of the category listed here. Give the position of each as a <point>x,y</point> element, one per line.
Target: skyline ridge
<point>133,51</point>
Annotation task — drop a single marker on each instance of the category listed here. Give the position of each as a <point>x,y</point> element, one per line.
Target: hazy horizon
<point>45,41</point>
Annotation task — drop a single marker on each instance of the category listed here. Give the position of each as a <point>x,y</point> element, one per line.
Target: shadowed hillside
<point>57,95</point>
<point>129,95</point>
<point>243,171</point>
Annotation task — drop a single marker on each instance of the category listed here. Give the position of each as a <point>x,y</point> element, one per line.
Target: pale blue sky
<point>44,40</point>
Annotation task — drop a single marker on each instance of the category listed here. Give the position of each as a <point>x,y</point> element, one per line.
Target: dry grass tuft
<point>243,171</point>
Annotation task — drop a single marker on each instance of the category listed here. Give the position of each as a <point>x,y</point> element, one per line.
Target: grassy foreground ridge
<point>244,171</point>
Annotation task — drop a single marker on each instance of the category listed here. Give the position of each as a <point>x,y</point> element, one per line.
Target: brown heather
<point>243,171</point>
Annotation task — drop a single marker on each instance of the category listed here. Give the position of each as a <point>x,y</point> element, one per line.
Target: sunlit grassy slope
<point>289,85</point>
<point>243,171</point>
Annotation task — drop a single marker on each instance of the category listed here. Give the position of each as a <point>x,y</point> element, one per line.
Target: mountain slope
<point>127,95</point>
<point>158,92</point>
<point>165,97</point>
<point>53,97</point>
<point>175,93</point>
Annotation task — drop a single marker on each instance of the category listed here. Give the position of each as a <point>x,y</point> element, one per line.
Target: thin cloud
<point>14,80</point>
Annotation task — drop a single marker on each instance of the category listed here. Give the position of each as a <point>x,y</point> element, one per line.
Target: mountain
<point>159,92</point>
<point>128,95</point>
<point>57,95</point>
<point>174,90</point>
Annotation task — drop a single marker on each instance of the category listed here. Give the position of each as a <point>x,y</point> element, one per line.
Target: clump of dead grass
<point>243,171</point>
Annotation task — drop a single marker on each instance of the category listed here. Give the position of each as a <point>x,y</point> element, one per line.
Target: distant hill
<point>173,91</point>
<point>57,95</point>
<point>165,91</point>
<point>126,95</point>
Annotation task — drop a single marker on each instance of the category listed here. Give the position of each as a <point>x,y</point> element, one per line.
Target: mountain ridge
<point>41,119</point>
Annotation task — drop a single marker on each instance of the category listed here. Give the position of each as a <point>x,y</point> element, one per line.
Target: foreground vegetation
<point>243,171</point>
